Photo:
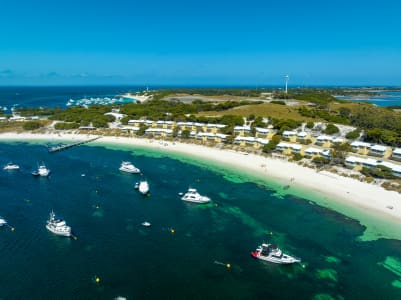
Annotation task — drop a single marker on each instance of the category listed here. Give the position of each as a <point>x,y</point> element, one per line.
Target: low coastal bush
<point>379,172</point>
<point>352,135</point>
<point>331,129</point>
<point>279,102</point>
<point>32,125</point>
<point>297,156</point>
<point>66,126</point>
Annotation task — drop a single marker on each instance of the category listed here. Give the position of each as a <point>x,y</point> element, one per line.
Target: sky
<point>200,43</point>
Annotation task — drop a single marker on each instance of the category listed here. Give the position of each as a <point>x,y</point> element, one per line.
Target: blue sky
<point>207,42</point>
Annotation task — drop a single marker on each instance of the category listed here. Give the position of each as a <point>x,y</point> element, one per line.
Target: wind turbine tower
<point>286,83</point>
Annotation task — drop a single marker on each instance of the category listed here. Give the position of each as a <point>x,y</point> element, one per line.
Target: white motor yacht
<point>192,195</point>
<point>11,166</point>
<point>128,167</point>
<point>41,171</point>
<point>2,222</point>
<point>272,253</point>
<point>143,187</point>
<point>58,226</point>
<point>146,224</point>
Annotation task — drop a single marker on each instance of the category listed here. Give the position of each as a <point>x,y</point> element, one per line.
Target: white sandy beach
<point>353,193</point>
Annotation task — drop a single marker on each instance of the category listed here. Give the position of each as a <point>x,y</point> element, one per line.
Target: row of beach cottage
<point>366,154</point>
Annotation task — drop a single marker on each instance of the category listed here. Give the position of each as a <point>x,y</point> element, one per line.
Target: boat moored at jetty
<point>58,226</point>
<point>143,187</point>
<point>11,166</point>
<point>272,253</point>
<point>41,171</point>
<point>128,167</point>
<point>192,195</point>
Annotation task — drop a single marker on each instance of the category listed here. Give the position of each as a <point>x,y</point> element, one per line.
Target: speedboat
<point>272,253</point>
<point>146,224</point>
<point>2,222</point>
<point>128,167</point>
<point>192,195</point>
<point>11,166</point>
<point>41,171</point>
<point>58,226</point>
<point>143,187</point>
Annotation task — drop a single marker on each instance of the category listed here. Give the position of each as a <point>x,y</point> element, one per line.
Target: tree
<point>297,156</point>
<point>271,146</point>
<point>229,139</point>
<point>142,129</point>
<point>320,161</point>
<point>340,151</point>
<point>125,120</point>
<point>185,134</point>
<point>352,135</point>
<point>175,132</point>
<point>344,112</point>
<point>310,125</point>
<point>32,125</point>
<point>66,126</point>
<point>258,122</point>
<point>331,129</point>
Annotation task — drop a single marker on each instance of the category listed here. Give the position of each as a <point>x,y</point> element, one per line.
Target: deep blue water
<point>56,96</point>
<point>105,213</point>
<point>385,98</point>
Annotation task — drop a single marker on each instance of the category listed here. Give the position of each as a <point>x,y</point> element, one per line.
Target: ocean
<point>135,262</point>
<point>384,98</point>
<point>59,96</point>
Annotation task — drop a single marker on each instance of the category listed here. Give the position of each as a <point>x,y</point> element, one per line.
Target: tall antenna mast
<point>286,83</point>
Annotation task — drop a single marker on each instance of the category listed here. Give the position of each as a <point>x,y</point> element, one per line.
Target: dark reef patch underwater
<point>184,254</point>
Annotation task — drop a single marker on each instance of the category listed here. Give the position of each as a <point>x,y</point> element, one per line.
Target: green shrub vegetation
<point>297,156</point>
<point>379,172</point>
<point>36,111</point>
<point>319,98</point>
<point>352,135</point>
<point>279,102</point>
<point>331,129</point>
<point>66,126</point>
<point>85,116</point>
<point>32,125</point>
<point>285,124</point>
<point>271,146</point>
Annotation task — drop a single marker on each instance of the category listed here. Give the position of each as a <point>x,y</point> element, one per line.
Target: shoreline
<point>358,200</point>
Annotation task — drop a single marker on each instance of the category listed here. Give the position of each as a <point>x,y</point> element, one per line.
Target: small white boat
<point>128,167</point>
<point>272,253</point>
<point>58,226</point>
<point>2,222</point>
<point>41,171</point>
<point>146,224</point>
<point>192,195</point>
<point>143,187</point>
<point>11,166</point>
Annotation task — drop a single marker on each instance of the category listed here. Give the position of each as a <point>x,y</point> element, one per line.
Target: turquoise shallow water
<point>105,213</point>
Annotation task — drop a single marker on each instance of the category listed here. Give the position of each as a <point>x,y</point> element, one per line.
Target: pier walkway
<point>64,147</point>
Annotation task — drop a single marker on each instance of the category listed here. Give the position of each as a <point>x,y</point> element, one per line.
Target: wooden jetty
<point>64,147</point>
